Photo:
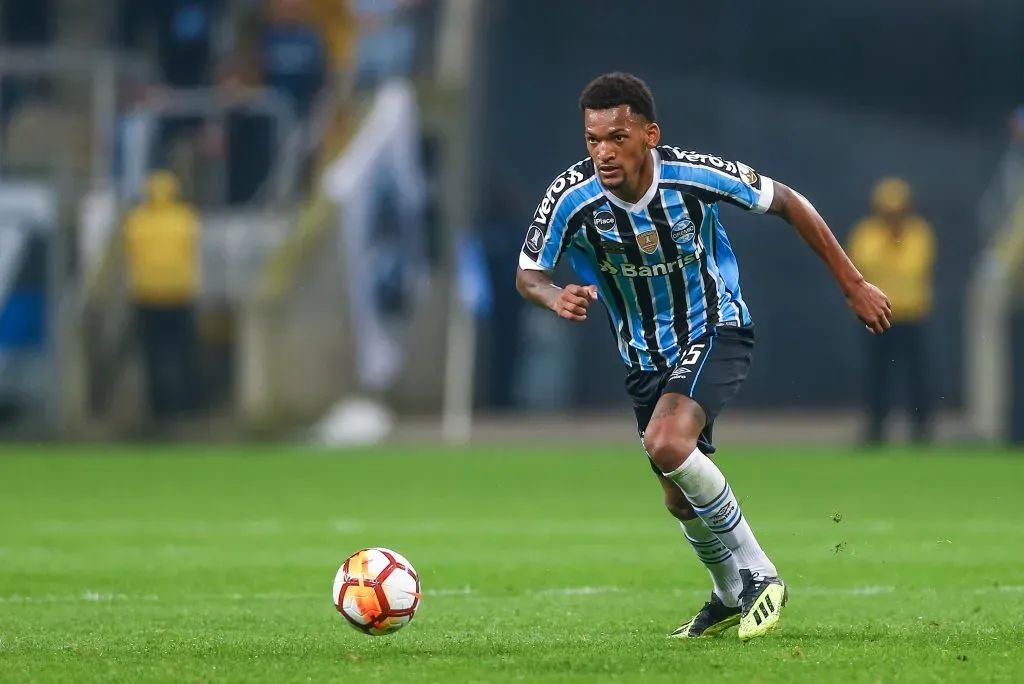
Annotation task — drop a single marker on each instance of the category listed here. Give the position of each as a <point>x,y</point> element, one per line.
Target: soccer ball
<point>377,591</point>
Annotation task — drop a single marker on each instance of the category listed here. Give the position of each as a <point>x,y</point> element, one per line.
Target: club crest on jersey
<point>648,241</point>
<point>683,232</point>
<point>604,221</point>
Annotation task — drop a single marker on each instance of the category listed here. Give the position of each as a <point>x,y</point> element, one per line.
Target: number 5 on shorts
<point>692,354</point>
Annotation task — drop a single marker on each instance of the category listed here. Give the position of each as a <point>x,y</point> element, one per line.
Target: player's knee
<point>667,448</point>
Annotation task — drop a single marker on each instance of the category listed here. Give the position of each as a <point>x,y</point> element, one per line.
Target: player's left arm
<point>867,301</point>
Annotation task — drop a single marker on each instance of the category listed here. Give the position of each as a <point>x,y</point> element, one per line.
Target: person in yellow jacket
<point>162,248</point>
<point>894,248</point>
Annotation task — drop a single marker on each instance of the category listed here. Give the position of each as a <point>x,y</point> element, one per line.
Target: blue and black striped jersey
<point>664,268</point>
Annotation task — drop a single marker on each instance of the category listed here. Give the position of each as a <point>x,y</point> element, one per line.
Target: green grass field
<point>538,565</point>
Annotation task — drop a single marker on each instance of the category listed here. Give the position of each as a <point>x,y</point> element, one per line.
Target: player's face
<point>618,141</point>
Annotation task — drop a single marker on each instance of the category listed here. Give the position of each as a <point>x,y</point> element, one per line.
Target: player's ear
<point>653,134</point>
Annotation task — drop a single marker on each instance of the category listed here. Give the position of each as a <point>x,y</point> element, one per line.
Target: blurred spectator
<point>280,49</point>
<point>246,141</point>
<point>162,245</point>
<point>181,35</point>
<point>293,55</point>
<point>894,248</point>
<point>184,36</point>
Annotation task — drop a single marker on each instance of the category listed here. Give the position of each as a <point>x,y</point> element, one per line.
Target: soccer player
<point>639,223</point>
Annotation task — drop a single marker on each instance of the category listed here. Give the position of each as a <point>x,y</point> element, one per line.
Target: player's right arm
<point>570,302</point>
<point>546,240</point>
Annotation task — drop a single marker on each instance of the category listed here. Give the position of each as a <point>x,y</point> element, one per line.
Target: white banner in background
<point>385,150</point>
<point>384,155</point>
<point>30,205</point>
<point>24,207</point>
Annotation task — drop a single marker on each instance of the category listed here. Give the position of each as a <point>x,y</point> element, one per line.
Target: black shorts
<point>711,370</point>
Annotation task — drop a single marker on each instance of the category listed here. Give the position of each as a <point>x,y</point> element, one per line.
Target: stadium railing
<point>102,70</point>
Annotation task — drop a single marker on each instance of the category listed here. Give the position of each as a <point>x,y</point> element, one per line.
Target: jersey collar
<point>648,196</point>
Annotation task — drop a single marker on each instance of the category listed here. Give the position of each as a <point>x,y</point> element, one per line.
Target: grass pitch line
<point>257,527</point>
<point>577,591</point>
<point>454,592</point>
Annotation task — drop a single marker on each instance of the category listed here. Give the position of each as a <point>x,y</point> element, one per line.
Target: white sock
<point>712,499</point>
<point>717,558</point>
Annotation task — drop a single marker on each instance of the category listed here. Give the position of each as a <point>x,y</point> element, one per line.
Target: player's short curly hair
<point>616,89</point>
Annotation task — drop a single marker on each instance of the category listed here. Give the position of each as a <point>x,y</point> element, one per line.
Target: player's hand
<point>573,301</point>
<point>871,306</point>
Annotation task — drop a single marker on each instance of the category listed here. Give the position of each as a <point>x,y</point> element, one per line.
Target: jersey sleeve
<point>714,179</point>
<point>549,235</point>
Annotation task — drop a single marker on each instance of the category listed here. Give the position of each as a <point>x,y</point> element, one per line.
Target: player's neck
<point>644,179</point>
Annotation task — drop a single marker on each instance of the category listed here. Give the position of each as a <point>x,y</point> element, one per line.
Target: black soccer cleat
<point>713,619</point>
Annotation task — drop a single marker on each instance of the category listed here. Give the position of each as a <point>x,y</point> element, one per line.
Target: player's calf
<point>673,428</point>
<point>712,553</point>
<point>675,501</point>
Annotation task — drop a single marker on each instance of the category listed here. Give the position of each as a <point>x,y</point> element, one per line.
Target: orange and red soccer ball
<point>377,591</point>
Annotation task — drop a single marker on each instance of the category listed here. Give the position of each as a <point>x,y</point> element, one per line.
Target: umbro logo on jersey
<point>679,372</point>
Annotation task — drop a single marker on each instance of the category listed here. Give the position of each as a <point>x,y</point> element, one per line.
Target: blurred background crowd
<point>301,218</point>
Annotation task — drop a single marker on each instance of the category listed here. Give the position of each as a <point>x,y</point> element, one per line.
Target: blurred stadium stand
<point>96,96</point>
